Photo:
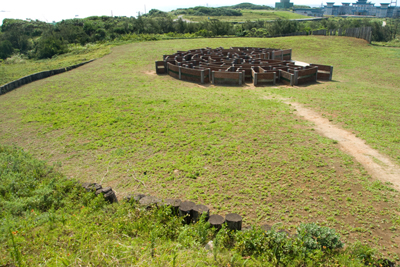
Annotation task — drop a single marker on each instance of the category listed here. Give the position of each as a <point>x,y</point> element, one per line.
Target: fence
<point>36,76</point>
<point>362,33</point>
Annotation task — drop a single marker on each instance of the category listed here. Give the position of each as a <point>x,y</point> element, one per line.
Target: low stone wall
<point>37,76</point>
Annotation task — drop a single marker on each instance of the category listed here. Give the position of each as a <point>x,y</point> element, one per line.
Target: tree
<point>50,45</point>
<point>6,49</point>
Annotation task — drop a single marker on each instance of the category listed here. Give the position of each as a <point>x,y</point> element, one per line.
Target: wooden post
<point>255,79</point>
<point>185,210</point>
<point>331,74</point>
<point>198,210</point>
<point>174,204</point>
<point>296,75</point>
<point>234,221</point>
<point>213,78</point>
<point>202,77</point>
<point>316,75</point>
<point>180,73</point>
<point>274,82</point>
<point>135,197</point>
<point>216,221</point>
<point>240,78</point>
<point>149,201</point>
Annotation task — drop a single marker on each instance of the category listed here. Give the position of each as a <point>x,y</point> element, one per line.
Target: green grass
<point>251,15</point>
<point>17,67</point>
<point>49,220</point>
<point>114,121</point>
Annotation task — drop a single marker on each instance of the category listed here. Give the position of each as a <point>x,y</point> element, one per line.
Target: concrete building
<point>312,12</point>
<point>283,4</point>
<point>362,7</point>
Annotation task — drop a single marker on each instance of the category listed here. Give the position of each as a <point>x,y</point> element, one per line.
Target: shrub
<point>318,237</point>
<point>6,49</point>
<point>49,46</point>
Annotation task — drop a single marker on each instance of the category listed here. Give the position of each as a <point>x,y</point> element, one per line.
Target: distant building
<point>283,4</point>
<point>361,7</point>
<point>312,12</point>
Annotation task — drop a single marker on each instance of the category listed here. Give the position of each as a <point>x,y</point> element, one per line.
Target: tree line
<point>38,39</point>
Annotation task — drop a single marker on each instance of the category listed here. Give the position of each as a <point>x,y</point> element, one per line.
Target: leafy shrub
<point>27,183</point>
<point>49,46</point>
<point>6,49</point>
<point>318,237</point>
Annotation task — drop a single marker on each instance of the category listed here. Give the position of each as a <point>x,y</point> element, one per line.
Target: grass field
<point>251,15</point>
<point>17,67</point>
<point>115,122</point>
<point>48,220</point>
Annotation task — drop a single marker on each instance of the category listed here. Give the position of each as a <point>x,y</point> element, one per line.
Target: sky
<point>46,10</point>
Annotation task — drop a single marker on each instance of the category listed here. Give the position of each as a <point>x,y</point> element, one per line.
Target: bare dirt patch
<point>378,166</point>
<point>150,72</point>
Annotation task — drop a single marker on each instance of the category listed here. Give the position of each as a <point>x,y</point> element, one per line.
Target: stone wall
<point>36,76</point>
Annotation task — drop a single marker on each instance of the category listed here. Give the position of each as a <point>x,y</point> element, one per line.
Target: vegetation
<point>249,15</point>
<point>47,219</point>
<point>115,122</point>
<point>40,40</point>
<point>207,11</point>
<point>250,6</point>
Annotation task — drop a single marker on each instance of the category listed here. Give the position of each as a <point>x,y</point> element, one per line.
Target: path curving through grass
<point>378,165</point>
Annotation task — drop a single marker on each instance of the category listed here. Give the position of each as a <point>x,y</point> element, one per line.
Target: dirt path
<point>378,166</point>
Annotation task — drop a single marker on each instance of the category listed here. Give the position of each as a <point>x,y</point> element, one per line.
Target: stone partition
<point>37,76</point>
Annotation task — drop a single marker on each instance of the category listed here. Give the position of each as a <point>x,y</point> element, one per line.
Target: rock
<point>103,190</point>
<point>91,186</point>
<point>111,197</point>
<point>149,202</point>
<point>108,194</point>
<point>209,246</point>
<point>134,197</point>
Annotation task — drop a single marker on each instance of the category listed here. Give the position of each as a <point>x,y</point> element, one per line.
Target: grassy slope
<point>365,93</point>
<point>250,15</point>
<point>22,67</point>
<point>115,122</point>
<point>48,220</point>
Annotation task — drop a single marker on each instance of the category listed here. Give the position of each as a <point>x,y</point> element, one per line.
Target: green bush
<point>27,183</point>
<point>6,49</point>
<point>318,237</point>
<point>49,46</point>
